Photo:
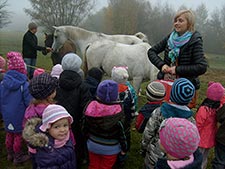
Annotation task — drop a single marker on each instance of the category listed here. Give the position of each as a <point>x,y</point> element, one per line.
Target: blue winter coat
<point>14,99</point>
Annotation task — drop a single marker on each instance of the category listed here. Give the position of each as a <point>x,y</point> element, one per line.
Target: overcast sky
<point>20,19</point>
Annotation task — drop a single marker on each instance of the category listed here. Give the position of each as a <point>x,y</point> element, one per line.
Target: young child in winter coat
<point>206,119</point>
<point>155,92</point>
<point>73,94</point>
<point>219,160</point>
<point>94,77</point>
<point>179,139</point>
<point>51,139</point>
<point>120,75</point>
<point>104,125</point>
<point>14,99</point>
<point>43,89</point>
<point>56,71</point>
<point>181,94</point>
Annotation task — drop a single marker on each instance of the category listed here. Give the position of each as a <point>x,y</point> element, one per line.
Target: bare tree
<point>4,14</point>
<point>48,13</point>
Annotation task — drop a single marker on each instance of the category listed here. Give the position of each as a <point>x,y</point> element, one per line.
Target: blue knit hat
<point>182,91</point>
<point>107,91</point>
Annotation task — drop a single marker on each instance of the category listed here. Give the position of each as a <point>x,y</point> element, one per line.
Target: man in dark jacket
<point>30,48</point>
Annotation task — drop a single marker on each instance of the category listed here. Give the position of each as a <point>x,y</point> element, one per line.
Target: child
<point>2,67</point>
<point>179,139</point>
<point>38,71</point>
<point>43,90</point>
<point>73,94</point>
<point>155,92</point>
<point>94,77</point>
<point>181,94</point>
<point>206,119</point>
<point>51,138</point>
<point>56,71</point>
<point>120,75</point>
<point>14,99</point>
<point>219,160</point>
<point>104,124</point>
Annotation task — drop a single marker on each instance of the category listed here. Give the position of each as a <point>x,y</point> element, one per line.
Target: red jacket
<point>206,123</point>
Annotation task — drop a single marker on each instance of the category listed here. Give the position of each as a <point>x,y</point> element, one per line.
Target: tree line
<point>124,17</point>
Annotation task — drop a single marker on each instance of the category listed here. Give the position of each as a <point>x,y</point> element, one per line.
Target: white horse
<point>82,38</point>
<point>106,54</point>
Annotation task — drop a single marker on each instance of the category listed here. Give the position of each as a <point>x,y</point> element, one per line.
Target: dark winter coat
<point>92,84</point>
<point>30,45</point>
<point>162,163</point>
<point>47,156</point>
<point>191,61</point>
<point>72,94</point>
<point>220,136</point>
<point>14,99</point>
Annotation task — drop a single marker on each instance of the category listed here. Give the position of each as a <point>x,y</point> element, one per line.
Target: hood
<point>69,80</point>
<point>13,80</point>
<point>171,110</point>
<point>35,110</point>
<point>30,134</point>
<point>91,81</point>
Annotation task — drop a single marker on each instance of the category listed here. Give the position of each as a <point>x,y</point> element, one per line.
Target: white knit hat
<point>120,74</point>
<point>53,113</point>
<point>71,61</point>
<point>56,71</point>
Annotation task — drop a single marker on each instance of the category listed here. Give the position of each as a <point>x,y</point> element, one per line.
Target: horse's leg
<point>137,83</point>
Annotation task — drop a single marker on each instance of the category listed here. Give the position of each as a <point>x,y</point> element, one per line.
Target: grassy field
<point>12,41</point>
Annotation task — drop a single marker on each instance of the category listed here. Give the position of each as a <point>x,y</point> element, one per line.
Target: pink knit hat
<point>15,62</point>
<point>53,113</point>
<point>179,137</point>
<point>215,91</point>
<point>2,63</point>
<point>56,71</point>
<point>38,71</point>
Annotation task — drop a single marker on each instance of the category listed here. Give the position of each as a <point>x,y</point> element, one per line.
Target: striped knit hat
<point>155,91</point>
<point>182,91</point>
<point>53,113</point>
<point>179,137</point>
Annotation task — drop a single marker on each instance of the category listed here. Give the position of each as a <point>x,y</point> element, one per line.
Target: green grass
<point>12,41</point>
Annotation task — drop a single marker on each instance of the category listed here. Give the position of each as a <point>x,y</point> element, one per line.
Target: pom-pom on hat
<point>42,86</point>
<point>56,71</point>
<point>15,62</point>
<point>179,137</point>
<point>2,62</point>
<point>182,91</point>
<point>53,113</point>
<point>107,91</point>
<point>120,74</point>
<point>38,71</point>
<point>215,91</point>
<point>72,62</point>
<point>155,91</point>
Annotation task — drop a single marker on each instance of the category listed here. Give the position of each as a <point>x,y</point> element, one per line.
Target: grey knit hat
<point>155,91</point>
<point>71,61</point>
<point>32,25</point>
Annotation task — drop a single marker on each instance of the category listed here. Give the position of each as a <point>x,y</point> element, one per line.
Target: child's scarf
<point>175,42</point>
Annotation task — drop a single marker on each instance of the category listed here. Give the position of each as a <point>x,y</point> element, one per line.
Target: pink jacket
<point>206,123</point>
<point>103,109</point>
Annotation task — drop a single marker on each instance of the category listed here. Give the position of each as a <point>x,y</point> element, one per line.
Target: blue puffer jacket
<point>14,99</point>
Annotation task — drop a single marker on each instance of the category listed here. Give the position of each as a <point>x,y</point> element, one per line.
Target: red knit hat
<point>215,91</point>
<point>15,62</point>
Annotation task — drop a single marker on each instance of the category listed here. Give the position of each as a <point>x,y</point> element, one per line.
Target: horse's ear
<point>55,27</point>
<point>46,34</point>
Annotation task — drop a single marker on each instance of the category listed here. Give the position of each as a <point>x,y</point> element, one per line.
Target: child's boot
<point>20,158</point>
<point>10,155</point>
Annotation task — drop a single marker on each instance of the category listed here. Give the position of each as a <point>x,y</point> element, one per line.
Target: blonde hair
<point>188,14</point>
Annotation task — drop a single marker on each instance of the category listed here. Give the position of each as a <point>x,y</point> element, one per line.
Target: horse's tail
<point>85,65</point>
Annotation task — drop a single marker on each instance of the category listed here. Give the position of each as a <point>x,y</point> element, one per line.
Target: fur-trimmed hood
<point>33,135</point>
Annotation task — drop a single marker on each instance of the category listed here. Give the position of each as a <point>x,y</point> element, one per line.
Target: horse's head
<point>60,38</point>
<point>142,36</point>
